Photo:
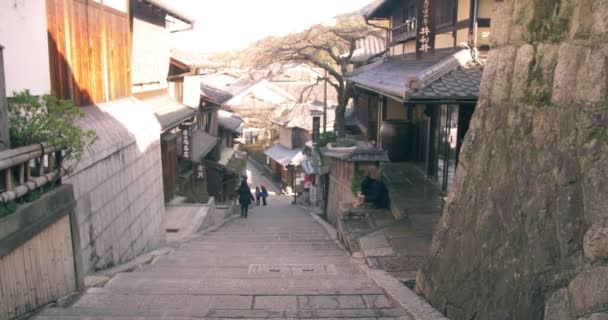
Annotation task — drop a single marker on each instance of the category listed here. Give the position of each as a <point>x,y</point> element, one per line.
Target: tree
<point>329,47</point>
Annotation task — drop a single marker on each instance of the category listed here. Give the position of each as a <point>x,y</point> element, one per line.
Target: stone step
<point>205,302</point>
<point>124,283</point>
<point>227,244</point>
<point>264,253</point>
<point>180,260</point>
<point>194,312</point>
<point>305,272</point>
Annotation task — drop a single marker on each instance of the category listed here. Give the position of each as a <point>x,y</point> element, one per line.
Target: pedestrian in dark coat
<point>245,198</point>
<point>264,195</point>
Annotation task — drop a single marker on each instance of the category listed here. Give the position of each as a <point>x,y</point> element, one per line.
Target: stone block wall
<point>525,230</point>
<point>118,186</point>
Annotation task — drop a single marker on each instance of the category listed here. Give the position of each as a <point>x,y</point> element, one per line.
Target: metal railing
<point>28,168</point>
<point>405,31</point>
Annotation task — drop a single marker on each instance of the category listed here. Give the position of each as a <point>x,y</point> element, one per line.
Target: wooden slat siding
<point>38,272</point>
<point>76,31</point>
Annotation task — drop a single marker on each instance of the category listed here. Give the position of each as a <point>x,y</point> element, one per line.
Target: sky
<point>223,25</point>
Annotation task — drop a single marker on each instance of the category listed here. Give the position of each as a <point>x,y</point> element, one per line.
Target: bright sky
<point>223,25</point>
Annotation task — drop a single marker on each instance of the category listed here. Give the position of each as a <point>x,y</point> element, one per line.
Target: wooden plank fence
<point>38,272</point>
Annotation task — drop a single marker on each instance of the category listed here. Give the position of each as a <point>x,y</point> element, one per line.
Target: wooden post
<point>4,137</point>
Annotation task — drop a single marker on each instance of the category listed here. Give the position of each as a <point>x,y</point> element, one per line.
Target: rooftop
<point>169,112</point>
<point>230,121</point>
<point>202,144</point>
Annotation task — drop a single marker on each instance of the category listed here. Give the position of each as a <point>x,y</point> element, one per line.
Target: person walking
<point>264,194</point>
<point>258,194</point>
<point>245,198</point>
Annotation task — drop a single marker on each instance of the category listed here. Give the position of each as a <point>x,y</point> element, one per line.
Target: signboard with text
<point>425,29</point>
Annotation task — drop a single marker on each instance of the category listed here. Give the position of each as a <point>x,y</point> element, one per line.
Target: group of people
<point>246,198</point>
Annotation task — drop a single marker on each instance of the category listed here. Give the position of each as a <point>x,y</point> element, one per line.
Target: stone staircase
<point>277,264</point>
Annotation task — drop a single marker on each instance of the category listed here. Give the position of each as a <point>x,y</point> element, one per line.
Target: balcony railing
<point>28,168</point>
<point>405,31</point>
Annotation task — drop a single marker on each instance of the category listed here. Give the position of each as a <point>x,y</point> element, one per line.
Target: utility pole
<point>4,135</point>
<point>325,103</point>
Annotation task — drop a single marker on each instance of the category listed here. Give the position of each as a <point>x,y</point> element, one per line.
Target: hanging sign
<point>425,30</point>
<point>186,143</point>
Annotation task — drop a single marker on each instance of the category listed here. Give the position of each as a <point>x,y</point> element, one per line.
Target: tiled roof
<point>202,144</point>
<point>193,60</point>
<point>395,76</point>
<point>298,116</point>
<point>284,155</point>
<point>169,112</point>
<point>230,121</point>
<point>462,83</point>
<point>214,94</point>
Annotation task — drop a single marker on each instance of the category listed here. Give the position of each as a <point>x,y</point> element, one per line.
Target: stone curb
<point>329,228</point>
<point>414,305</point>
<point>99,279</point>
<point>217,225</point>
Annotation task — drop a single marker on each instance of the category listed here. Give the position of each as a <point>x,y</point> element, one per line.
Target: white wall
<point>23,33</point>
<point>150,55</point>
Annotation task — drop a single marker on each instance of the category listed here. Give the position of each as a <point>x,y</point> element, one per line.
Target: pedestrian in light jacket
<point>245,198</point>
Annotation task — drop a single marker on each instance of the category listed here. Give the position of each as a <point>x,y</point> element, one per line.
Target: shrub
<point>34,119</point>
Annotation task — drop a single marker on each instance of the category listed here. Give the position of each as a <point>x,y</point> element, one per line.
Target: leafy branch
<point>34,120</point>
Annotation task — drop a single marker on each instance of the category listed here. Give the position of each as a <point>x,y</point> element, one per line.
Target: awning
<point>225,155</point>
<point>202,144</point>
<point>403,77</point>
<point>285,156</point>
<point>169,112</point>
<point>308,167</point>
<point>363,152</point>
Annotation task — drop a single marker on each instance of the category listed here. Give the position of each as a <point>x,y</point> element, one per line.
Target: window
<point>445,13</point>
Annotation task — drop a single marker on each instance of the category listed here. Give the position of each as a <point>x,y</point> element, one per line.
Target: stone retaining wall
<point>525,230</point>
<point>118,185</point>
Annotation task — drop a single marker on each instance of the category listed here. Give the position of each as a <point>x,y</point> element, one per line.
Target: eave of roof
<point>171,11</point>
<point>169,112</point>
<point>398,77</point>
<point>379,12</point>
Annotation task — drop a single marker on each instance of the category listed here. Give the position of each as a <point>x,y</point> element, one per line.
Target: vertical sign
<point>200,172</point>
<point>316,126</point>
<point>425,30</point>
<point>186,143</point>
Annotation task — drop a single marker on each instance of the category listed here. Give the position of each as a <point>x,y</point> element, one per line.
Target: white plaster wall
<point>118,185</point>
<point>150,54</point>
<point>23,33</point>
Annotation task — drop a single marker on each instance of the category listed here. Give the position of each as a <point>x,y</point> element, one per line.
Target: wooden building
<point>346,165</point>
<point>98,54</point>
<point>418,101</point>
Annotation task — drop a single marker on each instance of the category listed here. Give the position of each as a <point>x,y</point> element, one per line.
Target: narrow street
<point>278,263</point>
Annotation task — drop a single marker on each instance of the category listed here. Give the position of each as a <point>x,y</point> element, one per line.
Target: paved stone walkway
<point>278,263</point>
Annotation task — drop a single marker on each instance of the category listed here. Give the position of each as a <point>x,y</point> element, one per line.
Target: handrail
<point>407,27</point>
<point>28,168</point>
